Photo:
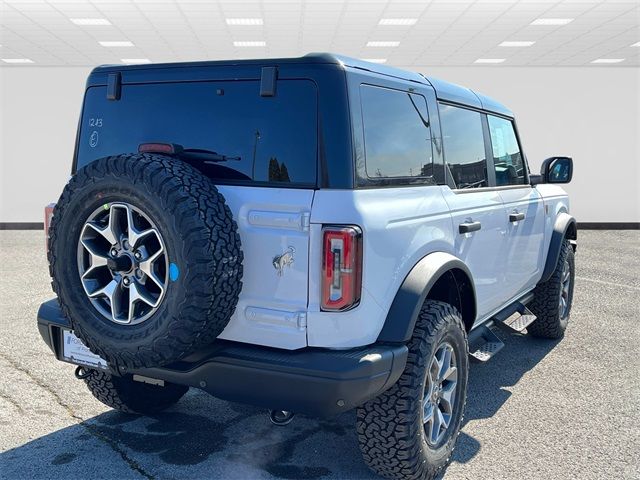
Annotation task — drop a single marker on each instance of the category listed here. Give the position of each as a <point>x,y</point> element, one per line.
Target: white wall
<point>590,113</point>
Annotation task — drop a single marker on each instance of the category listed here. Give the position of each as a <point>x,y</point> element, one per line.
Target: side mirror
<point>554,170</point>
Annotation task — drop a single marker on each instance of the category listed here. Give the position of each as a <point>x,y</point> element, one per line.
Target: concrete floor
<point>539,409</point>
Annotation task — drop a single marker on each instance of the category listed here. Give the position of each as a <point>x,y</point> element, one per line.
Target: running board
<point>484,344</point>
<point>518,321</point>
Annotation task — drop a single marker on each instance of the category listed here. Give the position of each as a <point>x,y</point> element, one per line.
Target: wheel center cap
<point>122,263</point>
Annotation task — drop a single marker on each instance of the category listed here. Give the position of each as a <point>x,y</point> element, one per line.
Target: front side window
<point>397,137</point>
<point>507,158</point>
<point>463,142</point>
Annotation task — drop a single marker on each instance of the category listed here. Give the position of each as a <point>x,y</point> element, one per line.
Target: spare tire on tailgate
<point>145,258</point>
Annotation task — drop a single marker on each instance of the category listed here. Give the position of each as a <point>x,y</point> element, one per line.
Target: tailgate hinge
<point>305,221</point>
<point>302,320</point>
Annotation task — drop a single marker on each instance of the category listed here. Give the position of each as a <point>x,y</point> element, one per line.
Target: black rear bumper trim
<point>313,381</point>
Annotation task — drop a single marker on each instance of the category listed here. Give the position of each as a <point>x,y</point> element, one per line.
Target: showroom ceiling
<point>405,32</point>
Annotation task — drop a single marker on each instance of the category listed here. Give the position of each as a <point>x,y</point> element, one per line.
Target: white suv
<point>308,235</point>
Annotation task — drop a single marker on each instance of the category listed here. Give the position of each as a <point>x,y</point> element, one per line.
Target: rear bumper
<point>313,381</point>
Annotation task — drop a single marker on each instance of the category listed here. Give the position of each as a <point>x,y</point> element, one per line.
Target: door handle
<point>469,227</point>
<point>516,217</point>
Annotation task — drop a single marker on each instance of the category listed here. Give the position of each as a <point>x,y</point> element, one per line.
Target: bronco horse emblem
<point>284,260</point>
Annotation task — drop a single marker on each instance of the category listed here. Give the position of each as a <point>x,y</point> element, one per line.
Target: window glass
<point>507,158</point>
<point>231,133</point>
<point>397,136</point>
<point>463,142</point>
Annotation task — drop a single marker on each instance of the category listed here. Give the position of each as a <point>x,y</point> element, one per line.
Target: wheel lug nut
<point>126,280</point>
<point>114,252</point>
<point>125,243</point>
<point>138,255</point>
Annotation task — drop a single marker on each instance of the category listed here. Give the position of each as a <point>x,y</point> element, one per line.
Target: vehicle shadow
<point>206,437</point>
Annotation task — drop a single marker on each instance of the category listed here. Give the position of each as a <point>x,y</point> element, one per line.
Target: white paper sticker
<point>77,352</point>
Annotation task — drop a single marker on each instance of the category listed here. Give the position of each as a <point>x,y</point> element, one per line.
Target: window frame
<point>525,164</point>
<point>488,147</point>
<point>401,181</point>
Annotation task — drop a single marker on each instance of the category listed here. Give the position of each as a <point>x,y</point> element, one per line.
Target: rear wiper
<point>207,156</point>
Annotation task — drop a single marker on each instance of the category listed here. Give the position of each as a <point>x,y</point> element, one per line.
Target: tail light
<point>341,267</point>
<point>48,215</point>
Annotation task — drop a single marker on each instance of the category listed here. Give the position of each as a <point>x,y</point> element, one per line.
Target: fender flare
<point>405,308</point>
<point>565,226</point>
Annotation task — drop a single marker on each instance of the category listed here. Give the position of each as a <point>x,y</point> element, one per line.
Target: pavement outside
<point>539,409</point>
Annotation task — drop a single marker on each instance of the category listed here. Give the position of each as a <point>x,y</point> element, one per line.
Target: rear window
<point>232,133</point>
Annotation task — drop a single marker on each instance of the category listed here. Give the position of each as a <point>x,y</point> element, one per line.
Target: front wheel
<point>553,299</point>
<point>409,432</point>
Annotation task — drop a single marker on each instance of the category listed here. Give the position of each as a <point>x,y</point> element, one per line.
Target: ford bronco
<point>306,235</point>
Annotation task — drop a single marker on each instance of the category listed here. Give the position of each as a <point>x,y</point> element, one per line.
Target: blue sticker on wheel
<point>174,272</point>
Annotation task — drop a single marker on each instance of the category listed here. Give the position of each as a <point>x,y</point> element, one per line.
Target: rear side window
<point>231,133</point>
<point>507,158</point>
<point>397,137</point>
<point>463,142</point>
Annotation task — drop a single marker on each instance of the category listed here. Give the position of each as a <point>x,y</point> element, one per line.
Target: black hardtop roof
<point>444,90</point>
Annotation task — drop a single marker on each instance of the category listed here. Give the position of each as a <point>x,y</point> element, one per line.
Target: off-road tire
<point>390,427</point>
<point>545,304</point>
<point>200,237</point>
<point>130,396</point>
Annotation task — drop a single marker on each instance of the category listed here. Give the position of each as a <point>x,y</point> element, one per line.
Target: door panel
<point>525,238</point>
<point>481,250</point>
<point>272,305</point>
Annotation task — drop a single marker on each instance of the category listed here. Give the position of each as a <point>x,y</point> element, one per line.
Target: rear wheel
<point>409,432</point>
<point>130,396</point>
<point>553,299</point>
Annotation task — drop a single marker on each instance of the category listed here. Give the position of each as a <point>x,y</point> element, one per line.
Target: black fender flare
<point>565,226</point>
<point>405,308</point>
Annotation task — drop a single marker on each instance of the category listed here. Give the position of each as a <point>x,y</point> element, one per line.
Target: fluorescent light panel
<point>490,60</point>
<point>252,43</point>
<point>637,44</point>
<point>552,21</point>
<point>375,60</point>
<point>134,61</point>
<point>608,60</point>
<point>377,43</point>
<point>245,21</point>
<point>517,43</point>
<point>17,60</point>
<point>90,21</point>
<point>120,43</point>
<point>398,21</point>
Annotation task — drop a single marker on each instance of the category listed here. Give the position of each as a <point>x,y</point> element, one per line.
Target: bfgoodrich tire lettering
<point>200,238</point>
<point>390,428</point>
<point>552,320</point>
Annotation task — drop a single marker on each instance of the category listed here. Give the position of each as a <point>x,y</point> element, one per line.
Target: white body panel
<point>400,226</point>
<point>272,308</point>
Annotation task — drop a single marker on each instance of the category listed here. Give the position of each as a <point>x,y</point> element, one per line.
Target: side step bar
<point>484,343</point>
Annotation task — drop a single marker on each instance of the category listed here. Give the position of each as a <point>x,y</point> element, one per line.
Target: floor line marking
<point>604,282</point>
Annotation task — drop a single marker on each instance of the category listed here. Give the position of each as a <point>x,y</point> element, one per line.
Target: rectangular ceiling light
<point>123,43</point>
<point>17,60</point>
<point>552,21</point>
<point>90,21</point>
<point>490,60</point>
<point>403,22</point>
<point>375,60</point>
<point>608,60</point>
<point>245,21</point>
<point>250,44</point>
<point>134,61</point>
<point>637,44</point>
<point>376,43</point>
<point>517,44</point>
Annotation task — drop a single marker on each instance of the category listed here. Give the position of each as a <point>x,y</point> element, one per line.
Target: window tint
<point>463,141</point>
<point>397,137</point>
<point>232,133</point>
<point>507,158</point>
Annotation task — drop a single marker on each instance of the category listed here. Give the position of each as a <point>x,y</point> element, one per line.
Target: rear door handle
<point>469,227</point>
<point>516,217</point>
